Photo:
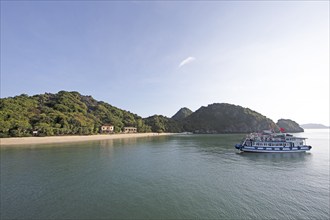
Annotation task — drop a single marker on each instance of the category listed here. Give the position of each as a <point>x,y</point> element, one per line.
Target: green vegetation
<point>159,123</point>
<point>215,118</point>
<point>182,114</point>
<point>69,113</point>
<point>226,118</point>
<point>64,113</point>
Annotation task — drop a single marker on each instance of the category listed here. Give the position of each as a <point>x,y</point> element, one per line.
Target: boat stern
<point>238,146</point>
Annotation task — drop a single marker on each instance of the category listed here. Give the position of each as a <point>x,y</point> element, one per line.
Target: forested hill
<point>289,125</point>
<point>182,114</point>
<point>64,113</point>
<point>70,113</point>
<point>226,118</point>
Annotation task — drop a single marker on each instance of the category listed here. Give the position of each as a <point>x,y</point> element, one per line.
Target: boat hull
<point>273,149</point>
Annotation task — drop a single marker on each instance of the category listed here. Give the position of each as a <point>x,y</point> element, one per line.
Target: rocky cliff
<point>289,125</point>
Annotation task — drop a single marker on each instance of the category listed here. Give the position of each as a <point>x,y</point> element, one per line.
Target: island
<point>71,114</point>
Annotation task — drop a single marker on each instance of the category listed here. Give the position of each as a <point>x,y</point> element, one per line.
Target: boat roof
<point>273,134</point>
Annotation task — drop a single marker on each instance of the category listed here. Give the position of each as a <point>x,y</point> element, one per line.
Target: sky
<point>157,57</point>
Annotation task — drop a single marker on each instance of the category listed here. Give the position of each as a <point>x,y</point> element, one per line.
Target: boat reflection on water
<point>276,156</point>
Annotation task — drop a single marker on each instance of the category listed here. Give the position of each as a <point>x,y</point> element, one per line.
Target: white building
<point>130,130</point>
<point>107,128</point>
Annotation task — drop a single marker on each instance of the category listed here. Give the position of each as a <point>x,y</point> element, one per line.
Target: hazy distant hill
<point>289,125</point>
<point>226,118</point>
<point>313,126</point>
<point>182,114</point>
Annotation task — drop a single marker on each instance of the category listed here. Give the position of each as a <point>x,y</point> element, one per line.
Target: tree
<point>63,113</point>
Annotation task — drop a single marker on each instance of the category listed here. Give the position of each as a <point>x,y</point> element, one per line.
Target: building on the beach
<point>130,130</point>
<point>107,128</point>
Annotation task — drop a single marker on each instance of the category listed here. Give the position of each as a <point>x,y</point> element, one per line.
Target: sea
<point>165,177</point>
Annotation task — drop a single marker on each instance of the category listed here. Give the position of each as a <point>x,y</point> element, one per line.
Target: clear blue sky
<point>156,57</point>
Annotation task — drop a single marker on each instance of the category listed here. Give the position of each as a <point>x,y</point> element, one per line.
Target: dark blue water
<point>188,176</point>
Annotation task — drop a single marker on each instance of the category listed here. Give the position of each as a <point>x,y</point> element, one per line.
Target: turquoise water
<point>187,176</point>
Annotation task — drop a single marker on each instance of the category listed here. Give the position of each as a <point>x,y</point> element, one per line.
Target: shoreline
<point>17,141</point>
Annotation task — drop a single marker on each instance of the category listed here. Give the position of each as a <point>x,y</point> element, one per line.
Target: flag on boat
<point>282,130</point>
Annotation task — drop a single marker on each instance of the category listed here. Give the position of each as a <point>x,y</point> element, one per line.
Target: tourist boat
<point>271,142</point>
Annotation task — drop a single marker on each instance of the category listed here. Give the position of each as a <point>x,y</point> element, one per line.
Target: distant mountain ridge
<point>314,126</point>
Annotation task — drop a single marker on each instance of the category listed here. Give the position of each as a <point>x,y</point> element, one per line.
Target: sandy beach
<point>5,142</point>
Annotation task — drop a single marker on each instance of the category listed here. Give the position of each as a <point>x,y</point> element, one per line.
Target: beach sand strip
<point>5,142</point>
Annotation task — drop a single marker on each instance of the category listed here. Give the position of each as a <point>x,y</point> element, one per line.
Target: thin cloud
<point>186,61</point>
